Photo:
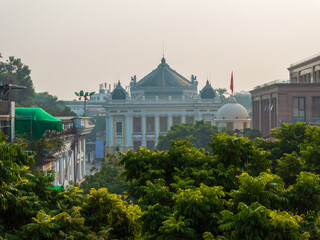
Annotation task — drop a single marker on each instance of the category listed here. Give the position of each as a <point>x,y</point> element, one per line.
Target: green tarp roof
<point>35,121</point>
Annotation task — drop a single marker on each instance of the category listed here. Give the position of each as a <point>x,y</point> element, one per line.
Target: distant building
<point>297,99</point>
<point>306,70</point>
<point>159,100</point>
<point>93,108</point>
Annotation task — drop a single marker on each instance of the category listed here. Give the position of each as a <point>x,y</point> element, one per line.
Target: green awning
<point>35,121</point>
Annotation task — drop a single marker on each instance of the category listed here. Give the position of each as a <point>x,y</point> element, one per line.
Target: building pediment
<point>163,78</point>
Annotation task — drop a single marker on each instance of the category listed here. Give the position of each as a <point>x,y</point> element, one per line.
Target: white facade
<point>70,164</point>
<point>233,116</point>
<point>155,103</point>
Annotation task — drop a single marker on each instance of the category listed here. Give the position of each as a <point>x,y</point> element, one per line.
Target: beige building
<point>232,116</point>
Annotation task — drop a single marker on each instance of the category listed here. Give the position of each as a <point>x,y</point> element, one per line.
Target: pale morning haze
<point>74,44</point>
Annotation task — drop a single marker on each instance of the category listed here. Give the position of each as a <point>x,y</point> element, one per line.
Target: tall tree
<point>20,74</point>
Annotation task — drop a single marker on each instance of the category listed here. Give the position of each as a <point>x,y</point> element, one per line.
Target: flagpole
<point>231,83</point>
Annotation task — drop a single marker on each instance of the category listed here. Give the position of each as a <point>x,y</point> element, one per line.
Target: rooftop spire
<point>163,49</point>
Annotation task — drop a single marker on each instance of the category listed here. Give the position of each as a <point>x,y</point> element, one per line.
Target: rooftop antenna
<point>163,49</point>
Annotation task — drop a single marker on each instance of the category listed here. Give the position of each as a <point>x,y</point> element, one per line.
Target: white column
<point>79,171</point>
<point>109,130</point>
<point>198,116</point>
<point>84,156</point>
<point>157,128</point>
<point>128,129</point>
<point>169,121</point>
<point>61,169</point>
<point>183,118</point>
<point>68,163</point>
<point>55,169</point>
<point>143,144</point>
<point>72,165</point>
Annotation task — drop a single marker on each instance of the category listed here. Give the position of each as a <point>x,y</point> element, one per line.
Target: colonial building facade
<point>69,165</point>
<point>163,98</point>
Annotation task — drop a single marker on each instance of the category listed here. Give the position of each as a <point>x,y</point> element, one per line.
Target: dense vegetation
<point>199,134</point>
<point>109,176</point>
<point>30,207</point>
<point>246,189</point>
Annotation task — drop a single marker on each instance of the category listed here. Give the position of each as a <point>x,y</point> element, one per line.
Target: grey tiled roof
<point>163,76</point>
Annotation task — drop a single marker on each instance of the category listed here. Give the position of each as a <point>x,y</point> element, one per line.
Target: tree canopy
<point>51,104</point>
<point>31,208</point>
<point>20,75</point>
<point>243,190</point>
<point>240,191</point>
<point>198,133</point>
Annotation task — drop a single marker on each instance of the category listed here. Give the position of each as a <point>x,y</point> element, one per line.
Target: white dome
<point>232,111</point>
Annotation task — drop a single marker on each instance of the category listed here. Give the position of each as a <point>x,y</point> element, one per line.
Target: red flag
<point>162,82</point>
<point>231,83</point>
<point>162,87</point>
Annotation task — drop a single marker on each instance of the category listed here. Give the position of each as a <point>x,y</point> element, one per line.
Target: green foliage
<point>30,208</point>
<point>45,148</point>
<point>109,176</point>
<point>20,73</point>
<point>257,222</point>
<point>240,191</point>
<point>251,133</point>
<point>267,189</point>
<point>239,152</point>
<point>244,98</point>
<point>51,104</point>
<point>304,195</point>
<point>290,136</point>
<point>202,205</point>
<point>121,216</point>
<point>198,133</point>
<point>289,167</point>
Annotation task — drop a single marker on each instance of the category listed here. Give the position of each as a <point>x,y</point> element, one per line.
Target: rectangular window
<point>176,120</point>
<point>244,125</point>
<point>150,124</point>
<point>316,107</point>
<point>230,126</point>
<point>273,110</point>
<point>136,145</point>
<point>163,124</point>
<point>118,128</point>
<point>137,124</point>
<point>298,109</point>
<point>189,119</point>
<point>150,145</point>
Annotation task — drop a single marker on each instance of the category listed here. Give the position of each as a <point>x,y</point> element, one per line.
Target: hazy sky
<point>74,44</point>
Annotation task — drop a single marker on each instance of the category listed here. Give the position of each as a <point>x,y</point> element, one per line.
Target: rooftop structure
<point>297,99</point>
